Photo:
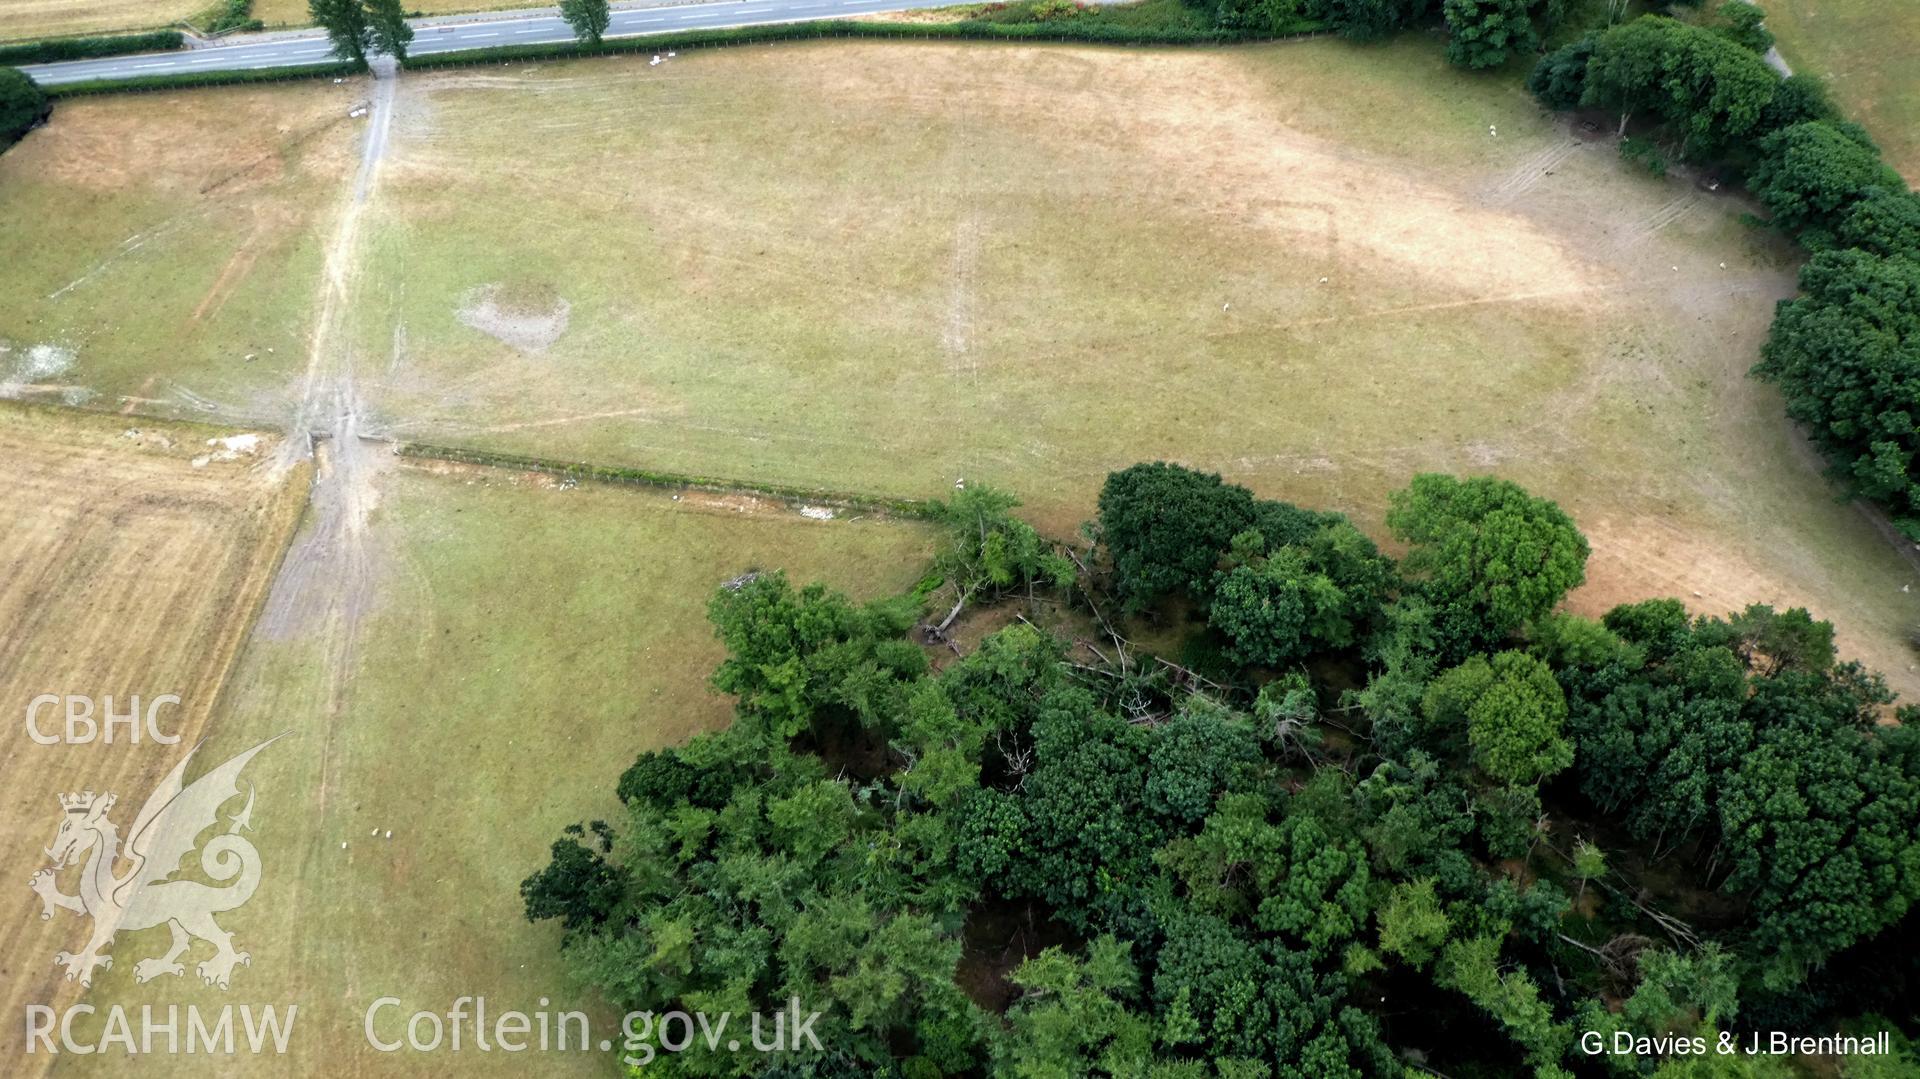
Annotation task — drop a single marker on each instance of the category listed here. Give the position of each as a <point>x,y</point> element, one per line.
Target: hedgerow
<point>190,79</point>
<point>1067,30</point>
<point>54,50</point>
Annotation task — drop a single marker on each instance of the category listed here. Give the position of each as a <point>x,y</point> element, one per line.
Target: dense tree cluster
<point>1846,352</point>
<point>1054,856</point>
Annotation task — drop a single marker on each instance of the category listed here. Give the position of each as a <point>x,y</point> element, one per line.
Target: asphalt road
<point>430,37</point>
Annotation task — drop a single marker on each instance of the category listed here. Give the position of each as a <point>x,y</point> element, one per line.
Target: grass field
<point>521,643</point>
<point>1865,50</point>
<point>1315,267</point>
<point>22,19</point>
<point>164,250</point>
<point>127,571</point>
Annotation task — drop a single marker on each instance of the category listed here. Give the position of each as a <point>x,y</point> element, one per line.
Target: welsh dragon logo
<point>164,832</point>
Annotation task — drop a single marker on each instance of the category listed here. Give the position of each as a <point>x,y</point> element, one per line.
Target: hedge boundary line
<point>53,50</point>
<point>190,79</point>
<point>1090,33</point>
<point>673,481</point>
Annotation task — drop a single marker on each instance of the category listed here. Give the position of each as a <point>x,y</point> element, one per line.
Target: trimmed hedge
<point>642,477</point>
<point>54,50</point>
<point>1069,30</point>
<point>188,79</point>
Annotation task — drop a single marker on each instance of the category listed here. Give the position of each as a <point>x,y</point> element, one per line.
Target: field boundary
<point>621,475</point>
<point>969,30</point>
<point>48,50</point>
<point>192,79</point>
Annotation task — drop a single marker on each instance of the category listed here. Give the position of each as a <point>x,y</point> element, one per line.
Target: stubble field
<point>128,572</point>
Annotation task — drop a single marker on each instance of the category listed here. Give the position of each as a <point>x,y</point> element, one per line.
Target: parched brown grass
<point>22,19</point>
<point>127,571</point>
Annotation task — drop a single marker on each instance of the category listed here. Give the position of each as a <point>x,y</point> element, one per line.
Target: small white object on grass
<point>389,833</point>
<point>1224,306</point>
<point>343,844</point>
<point>375,832</point>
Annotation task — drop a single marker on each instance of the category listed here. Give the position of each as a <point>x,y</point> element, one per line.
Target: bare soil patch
<point>524,316</point>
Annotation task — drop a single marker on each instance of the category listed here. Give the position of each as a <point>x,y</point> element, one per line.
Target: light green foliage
<point>1490,556</point>
<point>985,550</point>
<point>1291,877</point>
<point>1511,710</point>
<point>1683,992</point>
<point>1472,967</point>
<point>1413,925</point>
<point>791,655</point>
<point>1075,1017</point>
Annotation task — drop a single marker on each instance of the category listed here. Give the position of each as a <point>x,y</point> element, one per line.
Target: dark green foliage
<point>1323,593</point>
<point>1884,223</point>
<point>1768,758</point>
<point>1363,20</point>
<point>92,87</point>
<point>588,19</point>
<point>1242,877</point>
<point>1846,355</point>
<point>1797,100</point>
<point>579,887</point>
<point>1487,554</point>
<point>1710,91</point>
<point>23,106</point>
<point>1740,23</point>
<point>1259,16</point>
<point>54,50</point>
<point>1488,33</point>
<point>227,15</point>
<point>345,22</point>
<point>1085,839</point>
<point>388,23</point>
<point>1166,527</point>
<point>1559,80</point>
<point>1809,175</point>
<point>1200,753</point>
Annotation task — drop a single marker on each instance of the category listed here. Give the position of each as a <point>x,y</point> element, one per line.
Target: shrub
<point>23,106</point>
